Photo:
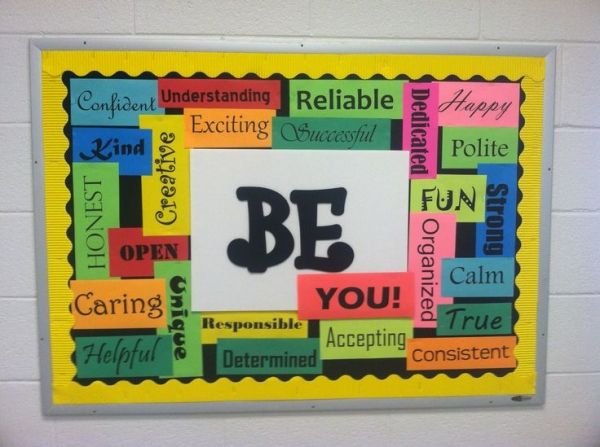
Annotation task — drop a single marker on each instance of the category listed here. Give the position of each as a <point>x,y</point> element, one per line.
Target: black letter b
<point>252,253</point>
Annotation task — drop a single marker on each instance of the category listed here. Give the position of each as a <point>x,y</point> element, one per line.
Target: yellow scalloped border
<point>65,391</point>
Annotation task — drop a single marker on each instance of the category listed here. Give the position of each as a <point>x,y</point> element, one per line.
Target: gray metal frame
<point>288,45</point>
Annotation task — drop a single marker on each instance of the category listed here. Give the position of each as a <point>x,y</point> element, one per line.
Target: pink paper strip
<point>420,128</point>
<point>479,104</point>
<point>431,238</point>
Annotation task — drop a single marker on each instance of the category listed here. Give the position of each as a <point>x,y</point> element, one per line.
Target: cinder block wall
<point>570,416</point>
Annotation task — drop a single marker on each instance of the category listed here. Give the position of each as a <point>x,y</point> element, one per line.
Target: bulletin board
<point>294,225</point>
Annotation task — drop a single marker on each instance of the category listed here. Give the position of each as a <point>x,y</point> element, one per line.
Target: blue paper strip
<point>112,102</point>
<point>496,236</point>
<point>478,277</point>
<point>130,148</point>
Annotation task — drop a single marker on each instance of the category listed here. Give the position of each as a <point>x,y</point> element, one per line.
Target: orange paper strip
<point>232,128</point>
<point>461,353</point>
<point>116,303</point>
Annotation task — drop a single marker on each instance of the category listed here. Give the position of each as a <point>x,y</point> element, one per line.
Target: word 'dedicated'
<point>420,128</point>
<point>355,295</point>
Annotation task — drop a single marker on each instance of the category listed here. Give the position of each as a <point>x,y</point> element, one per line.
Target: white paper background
<point>374,223</point>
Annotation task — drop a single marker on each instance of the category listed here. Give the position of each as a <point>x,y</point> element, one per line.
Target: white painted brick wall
<point>20,346</point>
<point>67,17</point>
<point>226,17</point>
<point>575,247</point>
<point>17,259</point>
<point>540,20</point>
<point>14,74</point>
<point>580,94</point>
<point>574,150</point>
<point>568,350</point>
<point>16,182</point>
<point>570,416</point>
<point>388,18</point>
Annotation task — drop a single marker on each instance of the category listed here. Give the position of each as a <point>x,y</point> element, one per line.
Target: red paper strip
<point>355,295</point>
<point>132,254</point>
<point>219,93</point>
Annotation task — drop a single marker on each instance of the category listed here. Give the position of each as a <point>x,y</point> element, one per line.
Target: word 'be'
<point>252,253</point>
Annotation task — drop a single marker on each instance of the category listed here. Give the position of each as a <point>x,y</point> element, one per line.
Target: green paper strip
<point>466,147</point>
<point>348,99</point>
<point>330,133</point>
<point>475,319</point>
<point>182,324</point>
<point>463,195</point>
<point>365,339</point>
<point>95,209</point>
<point>125,356</point>
<point>268,356</point>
